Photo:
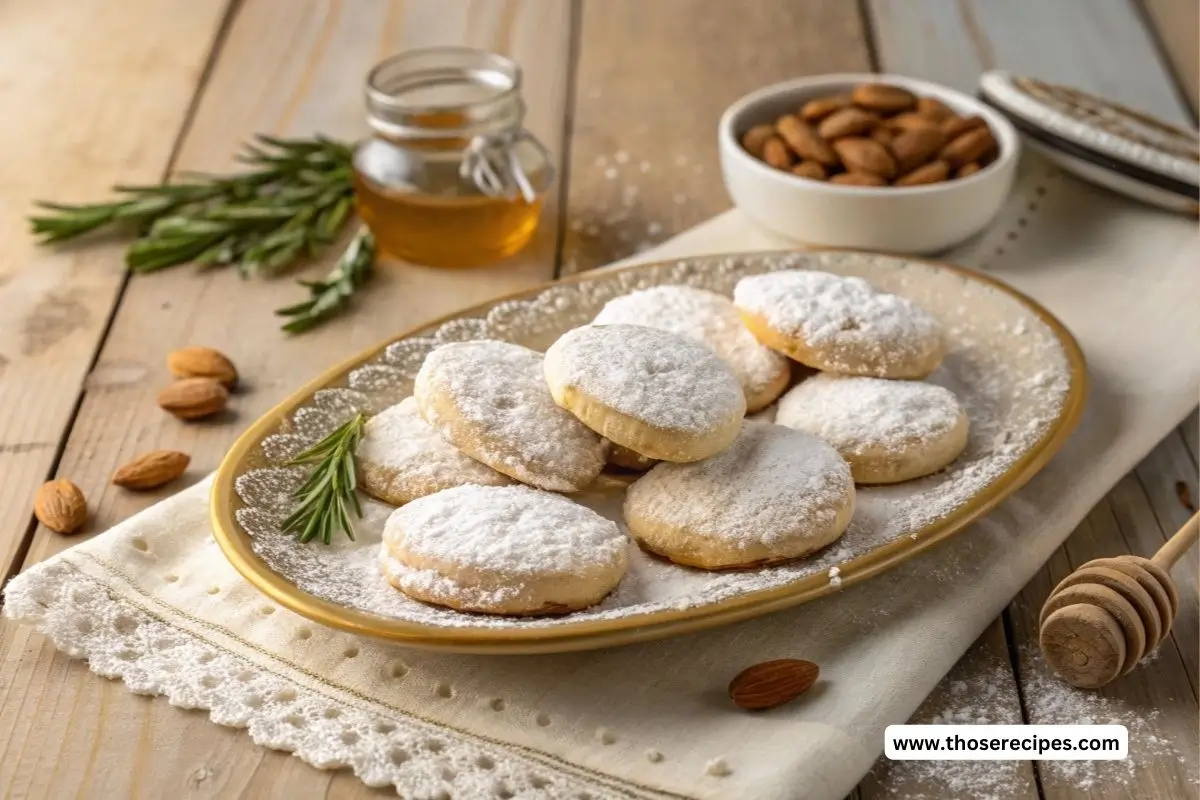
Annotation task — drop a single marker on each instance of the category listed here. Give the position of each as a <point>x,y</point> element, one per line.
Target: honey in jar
<point>450,177</point>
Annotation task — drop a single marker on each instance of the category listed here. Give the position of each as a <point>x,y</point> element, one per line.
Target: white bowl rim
<point>1008,139</point>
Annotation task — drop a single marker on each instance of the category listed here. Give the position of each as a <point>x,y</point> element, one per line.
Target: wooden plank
<point>652,81</point>
<point>68,95</point>
<point>1067,41</point>
<point>287,68</point>
<point>980,687</point>
<point>1177,24</point>
<point>1156,701</point>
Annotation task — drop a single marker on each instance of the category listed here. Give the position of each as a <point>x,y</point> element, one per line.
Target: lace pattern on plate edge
<point>382,746</point>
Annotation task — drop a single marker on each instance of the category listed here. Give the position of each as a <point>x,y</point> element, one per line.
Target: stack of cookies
<point>657,388</point>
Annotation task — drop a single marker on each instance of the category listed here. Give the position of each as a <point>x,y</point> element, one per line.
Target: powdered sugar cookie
<point>655,392</point>
<point>775,495</point>
<point>489,400</point>
<point>839,324</point>
<point>888,431</point>
<point>710,318</point>
<point>401,457</point>
<point>502,550</point>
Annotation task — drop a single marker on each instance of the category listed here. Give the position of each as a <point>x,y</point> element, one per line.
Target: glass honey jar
<point>450,177</point>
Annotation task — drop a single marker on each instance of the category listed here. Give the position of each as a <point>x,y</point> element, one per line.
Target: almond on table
<point>202,362</point>
<point>60,506</point>
<point>151,469</point>
<point>772,683</point>
<point>193,398</point>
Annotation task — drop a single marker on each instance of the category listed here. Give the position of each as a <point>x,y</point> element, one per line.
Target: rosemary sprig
<point>328,296</point>
<point>289,204</point>
<point>327,496</point>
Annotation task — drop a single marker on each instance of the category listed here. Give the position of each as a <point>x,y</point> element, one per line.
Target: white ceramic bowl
<point>899,219</point>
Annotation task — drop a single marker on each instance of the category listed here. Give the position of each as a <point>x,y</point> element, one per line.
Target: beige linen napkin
<point>153,601</point>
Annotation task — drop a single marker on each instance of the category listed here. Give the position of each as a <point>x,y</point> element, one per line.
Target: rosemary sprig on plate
<point>327,496</point>
<point>290,204</point>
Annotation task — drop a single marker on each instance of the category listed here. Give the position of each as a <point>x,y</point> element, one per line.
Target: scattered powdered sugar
<point>766,496</point>
<point>981,699</point>
<point>1051,701</point>
<point>707,317</point>
<point>661,378</point>
<point>1012,387</point>
<point>833,312</point>
<point>402,457</point>
<point>988,697</point>
<point>835,577</point>
<point>490,399</point>
<point>857,415</point>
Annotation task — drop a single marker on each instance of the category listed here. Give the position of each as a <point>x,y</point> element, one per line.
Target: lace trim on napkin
<point>120,638</point>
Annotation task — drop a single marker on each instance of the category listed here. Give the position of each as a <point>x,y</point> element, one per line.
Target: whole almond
<point>772,683</point>
<point>152,469</point>
<point>847,122</point>
<point>202,362</point>
<point>914,147</point>
<point>803,139</point>
<point>754,139</point>
<point>817,110</point>
<point>809,169</point>
<point>883,98</point>
<point>60,506</point>
<point>911,120</point>
<point>956,126</point>
<point>193,398</point>
<point>968,169</point>
<point>858,179</point>
<point>776,153</point>
<point>968,147</point>
<point>865,155</point>
<point>934,109</point>
<point>933,172</point>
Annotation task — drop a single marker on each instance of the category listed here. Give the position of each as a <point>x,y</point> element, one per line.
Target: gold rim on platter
<point>235,542</point>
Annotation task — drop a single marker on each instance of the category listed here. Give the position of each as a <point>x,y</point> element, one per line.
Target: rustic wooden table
<point>626,93</point>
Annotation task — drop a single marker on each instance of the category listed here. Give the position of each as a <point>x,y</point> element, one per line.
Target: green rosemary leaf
<point>327,493</point>
<point>329,296</point>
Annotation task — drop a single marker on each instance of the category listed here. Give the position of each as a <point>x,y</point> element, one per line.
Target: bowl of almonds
<point>878,162</point>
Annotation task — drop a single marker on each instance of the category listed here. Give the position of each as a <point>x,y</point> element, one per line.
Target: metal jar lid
<point>1101,141</point>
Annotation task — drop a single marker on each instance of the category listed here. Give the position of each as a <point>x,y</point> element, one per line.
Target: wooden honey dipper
<point>1107,615</point>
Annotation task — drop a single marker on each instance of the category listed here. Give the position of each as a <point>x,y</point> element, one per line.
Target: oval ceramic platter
<point>1019,373</point>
